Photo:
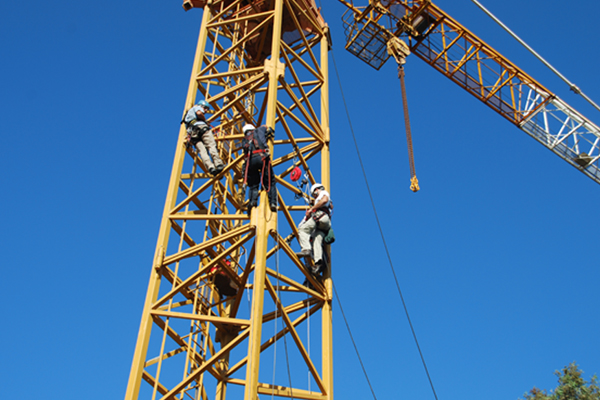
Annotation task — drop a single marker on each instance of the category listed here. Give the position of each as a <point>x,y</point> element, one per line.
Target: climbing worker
<point>316,225</point>
<point>223,283</point>
<point>201,136</point>
<point>257,167</point>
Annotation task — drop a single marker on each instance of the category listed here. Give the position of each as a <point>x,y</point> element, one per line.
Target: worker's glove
<point>270,134</point>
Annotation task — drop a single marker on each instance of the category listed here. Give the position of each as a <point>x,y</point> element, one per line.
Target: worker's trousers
<point>316,230</point>
<point>207,142</point>
<point>260,172</point>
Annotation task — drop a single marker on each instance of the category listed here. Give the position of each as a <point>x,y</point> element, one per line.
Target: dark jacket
<point>255,141</point>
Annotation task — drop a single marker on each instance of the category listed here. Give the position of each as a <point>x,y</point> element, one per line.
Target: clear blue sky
<point>495,255</point>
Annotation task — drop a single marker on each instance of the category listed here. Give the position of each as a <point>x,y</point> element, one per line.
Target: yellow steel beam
<point>311,367</point>
<point>248,74</point>
<point>274,70</point>
<point>213,319</point>
<point>135,376</point>
<point>326,313</point>
<point>279,334</point>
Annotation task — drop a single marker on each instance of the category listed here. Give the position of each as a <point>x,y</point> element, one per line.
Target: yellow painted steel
<point>447,46</point>
<point>258,63</point>
<point>141,348</point>
<point>326,312</point>
<point>254,341</point>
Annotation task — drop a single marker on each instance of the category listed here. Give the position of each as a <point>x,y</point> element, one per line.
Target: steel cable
<point>352,339</point>
<point>380,229</point>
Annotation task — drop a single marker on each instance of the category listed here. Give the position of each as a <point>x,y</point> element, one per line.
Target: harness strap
<point>325,210</point>
<point>246,172</point>
<point>269,188</point>
<point>266,162</point>
<point>320,213</point>
<point>262,173</point>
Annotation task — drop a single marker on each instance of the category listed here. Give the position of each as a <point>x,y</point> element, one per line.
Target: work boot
<point>318,268</point>
<point>220,168</point>
<point>212,171</point>
<point>273,207</point>
<point>251,205</point>
<point>304,253</point>
<point>307,284</point>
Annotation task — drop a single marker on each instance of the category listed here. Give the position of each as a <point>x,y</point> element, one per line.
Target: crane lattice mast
<point>261,63</point>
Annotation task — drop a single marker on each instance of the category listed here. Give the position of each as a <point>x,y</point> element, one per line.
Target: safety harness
<point>252,146</point>
<point>322,211</point>
<point>194,132</point>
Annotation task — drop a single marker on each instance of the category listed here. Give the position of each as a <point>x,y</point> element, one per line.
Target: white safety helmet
<point>248,127</point>
<point>315,187</point>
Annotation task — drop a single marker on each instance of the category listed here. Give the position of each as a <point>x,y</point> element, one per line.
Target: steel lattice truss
<point>468,61</point>
<point>194,342</point>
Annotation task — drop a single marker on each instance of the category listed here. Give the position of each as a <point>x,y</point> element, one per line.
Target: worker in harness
<point>316,225</point>
<point>257,167</point>
<point>201,136</point>
<point>223,283</point>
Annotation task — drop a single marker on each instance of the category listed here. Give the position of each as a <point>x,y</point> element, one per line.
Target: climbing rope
<point>275,323</point>
<point>308,336</point>
<point>379,226</point>
<point>352,340</point>
<point>287,360</point>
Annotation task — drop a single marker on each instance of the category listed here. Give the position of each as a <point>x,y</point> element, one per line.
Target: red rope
<point>247,166</point>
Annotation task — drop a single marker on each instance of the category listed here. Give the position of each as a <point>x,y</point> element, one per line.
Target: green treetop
<point>571,386</point>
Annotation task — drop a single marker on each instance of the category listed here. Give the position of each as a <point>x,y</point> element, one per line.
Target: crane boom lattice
<point>468,61</point>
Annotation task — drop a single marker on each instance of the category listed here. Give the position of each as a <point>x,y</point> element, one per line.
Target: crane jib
<point>461,56</point>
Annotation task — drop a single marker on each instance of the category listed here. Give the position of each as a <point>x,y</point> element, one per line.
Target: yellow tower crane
<point>259,63</point>
<point>265,62</point>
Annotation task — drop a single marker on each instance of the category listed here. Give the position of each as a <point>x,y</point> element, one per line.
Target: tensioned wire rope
<point>287,360</point>
<point>352,340</point>
<point>382,237</point>
<point>387,252</point>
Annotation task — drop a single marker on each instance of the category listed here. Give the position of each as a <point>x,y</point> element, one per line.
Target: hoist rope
<point>353,342</point>
<point>411,158</point>
<point>379,226</point>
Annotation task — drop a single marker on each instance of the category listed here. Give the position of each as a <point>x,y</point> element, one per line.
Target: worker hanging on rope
<point>201,136</point>
<point>257,167</point>
<point>316,225</point>
<point>223,283</point>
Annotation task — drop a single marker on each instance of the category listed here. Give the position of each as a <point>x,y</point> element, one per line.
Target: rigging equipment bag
<point>330,237</point>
